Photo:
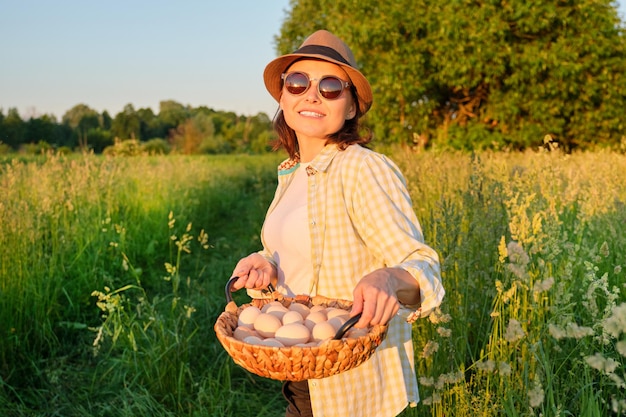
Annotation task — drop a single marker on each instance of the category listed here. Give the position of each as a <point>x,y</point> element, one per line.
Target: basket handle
<point>346,326</point>
<point>228,291</point>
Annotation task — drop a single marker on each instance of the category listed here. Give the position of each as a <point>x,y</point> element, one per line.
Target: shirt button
<point>314,384</point>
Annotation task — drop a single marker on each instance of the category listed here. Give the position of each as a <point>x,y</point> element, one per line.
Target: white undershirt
<point>286,233</point>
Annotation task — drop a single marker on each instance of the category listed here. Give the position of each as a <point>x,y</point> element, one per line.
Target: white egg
<point>336,312</point>
<point>317,308</point>
<point>267,324</point>
<point>272,342</point>
<point>314,318</point>
<point>292,317</point>
<point>293,334</point>
<point>253,340</point>
<point>322,331</point>
<point>247,316</point>
<point>241,332</point>
<point>300,308</point>
<point>337,321</point>
<point>277,310</point>
<point>270,304</point>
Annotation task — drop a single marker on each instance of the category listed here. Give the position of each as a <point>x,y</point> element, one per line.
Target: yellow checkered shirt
<point>360,219</point>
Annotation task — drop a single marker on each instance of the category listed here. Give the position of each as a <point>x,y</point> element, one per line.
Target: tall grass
<point>112,274</point>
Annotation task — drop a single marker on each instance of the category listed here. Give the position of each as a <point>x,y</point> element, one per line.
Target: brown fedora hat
<point>326,46</point>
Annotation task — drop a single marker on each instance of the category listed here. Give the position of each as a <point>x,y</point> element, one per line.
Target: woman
<point>342,225</point>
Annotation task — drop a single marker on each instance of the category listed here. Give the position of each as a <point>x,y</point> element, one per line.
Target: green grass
<point>112,273</point>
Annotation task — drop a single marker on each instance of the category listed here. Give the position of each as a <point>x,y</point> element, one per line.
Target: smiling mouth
<point>311,114</point>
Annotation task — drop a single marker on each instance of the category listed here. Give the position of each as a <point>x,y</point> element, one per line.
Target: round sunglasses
<point>329,86</point>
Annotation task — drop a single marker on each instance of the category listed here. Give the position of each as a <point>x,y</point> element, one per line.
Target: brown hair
<point>349,134</point>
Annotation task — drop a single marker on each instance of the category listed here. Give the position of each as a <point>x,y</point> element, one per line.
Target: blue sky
<point>56,54</point>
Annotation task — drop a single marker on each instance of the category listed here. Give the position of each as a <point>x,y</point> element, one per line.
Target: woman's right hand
<point>254,272</point>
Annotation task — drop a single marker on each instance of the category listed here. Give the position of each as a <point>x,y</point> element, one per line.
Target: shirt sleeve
<point>386,220</point>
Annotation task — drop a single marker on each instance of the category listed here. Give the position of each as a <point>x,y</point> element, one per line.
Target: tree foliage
<point>481,73</point>
<point>176,128</point>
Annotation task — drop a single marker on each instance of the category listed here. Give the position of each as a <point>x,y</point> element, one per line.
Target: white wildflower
<point>578,332</point>
<point>556,332</point>
<point>434,399</point>
<point>615,324</point>
<point>427,381</point>
<point>430,348</point>
<point>536,395</point>
<point>543,286</point>
<point>486,366</point>
<point>516,254</point>
<point>444,332</point>
<point>618,405</point>
<point>438,316</point>
<point>504,368</point>
<point>451,378</point>
<point>514,331</point>
<point>621,347</point>
<point>599,362</point>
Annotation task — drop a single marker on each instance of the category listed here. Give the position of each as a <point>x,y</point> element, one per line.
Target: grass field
<point>112,273</point>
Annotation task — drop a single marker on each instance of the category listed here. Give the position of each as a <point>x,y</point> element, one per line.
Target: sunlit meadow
<point>112,273</point>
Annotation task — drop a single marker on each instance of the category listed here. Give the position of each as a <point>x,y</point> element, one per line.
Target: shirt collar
<point>320,163</point>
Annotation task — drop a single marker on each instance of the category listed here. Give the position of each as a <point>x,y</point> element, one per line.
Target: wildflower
<point>618,405</point>
<point>621,347</point>
<point>556,332</point>
<point>430,348</point>
<point>617,269</point>
<point>543,286</point>
<point>516,254</point>
<point>599,362</point>
<point>444,332</point>
<point>434,399</point>
<point>189,310</point>
<point>438,316</point>
<point>536,395</point>
<point>451,378</point>
<point>502,252</point>
<point>604,249</point>
<point>615,324</point>
<point>427,381</point>
<point>504,368</point>
<point>578,332</point>
<point>486,366</point>
<point>514,331</point>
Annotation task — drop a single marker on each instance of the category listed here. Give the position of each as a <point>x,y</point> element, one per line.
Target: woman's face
<point>310,115</point>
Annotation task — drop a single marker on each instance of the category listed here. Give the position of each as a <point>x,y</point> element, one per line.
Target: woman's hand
<point>254,272</point>
<point>378,295</point>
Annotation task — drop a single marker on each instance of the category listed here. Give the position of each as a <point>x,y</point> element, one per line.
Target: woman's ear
<point>351,112</point>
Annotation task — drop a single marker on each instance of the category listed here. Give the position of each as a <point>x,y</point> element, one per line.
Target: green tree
<point>481,73</point>
<point>81,118</point>
<point>13,129</point>
<point>172,114</point>
<point>44,128</point>
<point>126,124</point>
<point>150,126</point>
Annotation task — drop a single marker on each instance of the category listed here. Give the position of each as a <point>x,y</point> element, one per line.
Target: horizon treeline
<point>175,127</point>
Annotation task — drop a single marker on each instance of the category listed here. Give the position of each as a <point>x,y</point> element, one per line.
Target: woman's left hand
<point>376,295</point>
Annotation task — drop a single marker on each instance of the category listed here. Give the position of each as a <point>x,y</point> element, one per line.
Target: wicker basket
<point>297,363</point>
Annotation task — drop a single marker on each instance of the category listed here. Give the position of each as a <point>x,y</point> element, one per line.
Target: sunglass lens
<point>296,83</point>
<point>330,87</point>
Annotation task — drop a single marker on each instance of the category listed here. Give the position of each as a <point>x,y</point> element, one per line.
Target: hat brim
<point>274,70</point>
